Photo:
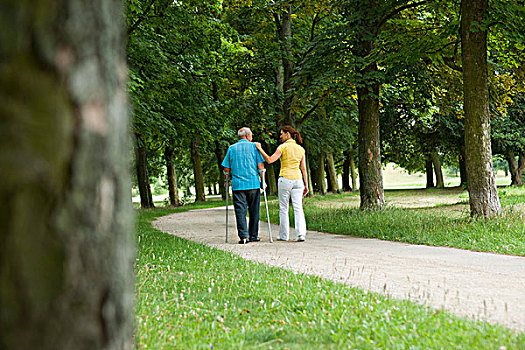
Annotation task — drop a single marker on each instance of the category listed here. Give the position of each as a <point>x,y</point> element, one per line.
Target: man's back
<point>242,158</point>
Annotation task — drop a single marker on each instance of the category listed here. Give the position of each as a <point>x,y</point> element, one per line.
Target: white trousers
<point>294,189</point>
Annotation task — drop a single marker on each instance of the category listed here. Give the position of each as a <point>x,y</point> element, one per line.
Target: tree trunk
<point>271,177</point>
<point>197,170</point>
<point>521,169</point>
<point>315,176</point>
<point>283,21</point>
<point>462,169</point>
<point>429,172</point>
<point>320,175</point>
<point>172,177</point>
<point>66,223</point>
<point>353,173</point>
<point>346,171</point>
<point>440,183</point>
<point>516,174</point>
<point>332,175</point>
<point>329,187</point>
<point>484,200</point>
<point>150,195</point>
<point>146,199</point>
<point>370,171</point>
<point>309,175</point>
<point>219,155</point>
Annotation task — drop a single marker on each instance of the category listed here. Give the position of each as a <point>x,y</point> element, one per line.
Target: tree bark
<point>484,200</point>
<point>353,173</point>
<point>271,174</point>
<point>329,187</point>
<point>141,164</point>
<point>332,175</point>
<point>172,177</point>
<point>309,174</point>
<point>66,233</point>
<point>271,177</point>
<point>370,171</point>
<point>516,171</point>
<point>346,171</point>
<point>283,22</point>
<point>219,155</point>
<point>320,176</point>
<point>521,169</point>
<point>462,168</point>
<point>440,183</point>
<point>429,172</point>
<point>197,170</point>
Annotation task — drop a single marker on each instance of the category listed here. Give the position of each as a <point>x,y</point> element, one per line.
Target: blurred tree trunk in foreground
<point>66,270</point>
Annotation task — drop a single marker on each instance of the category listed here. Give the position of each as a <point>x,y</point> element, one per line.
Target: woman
<point>293,181</point>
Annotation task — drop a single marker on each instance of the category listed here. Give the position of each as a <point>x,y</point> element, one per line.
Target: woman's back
<point>291,157</point>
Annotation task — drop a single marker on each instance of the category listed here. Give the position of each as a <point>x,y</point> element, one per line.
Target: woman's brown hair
<point>295,134</point>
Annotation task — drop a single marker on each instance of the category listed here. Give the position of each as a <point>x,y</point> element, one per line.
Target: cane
<point>266,203</point>
<point>227,200</point>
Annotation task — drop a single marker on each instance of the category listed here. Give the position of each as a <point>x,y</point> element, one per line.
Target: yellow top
<point>291,157</point>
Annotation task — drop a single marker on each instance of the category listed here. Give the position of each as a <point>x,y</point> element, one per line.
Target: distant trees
<point>200,72</point>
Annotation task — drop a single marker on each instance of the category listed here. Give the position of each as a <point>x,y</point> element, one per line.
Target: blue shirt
<point>242,158</point>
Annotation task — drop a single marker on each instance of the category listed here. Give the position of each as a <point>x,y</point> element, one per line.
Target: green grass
<point>189,296</point>
<point>438,226</point>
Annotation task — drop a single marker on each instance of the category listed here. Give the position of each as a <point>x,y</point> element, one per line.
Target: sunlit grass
<point>189,296</point>
<point>438,225</point>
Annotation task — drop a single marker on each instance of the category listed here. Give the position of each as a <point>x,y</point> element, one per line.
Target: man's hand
<point>227,179</point>
<point>305,191</point>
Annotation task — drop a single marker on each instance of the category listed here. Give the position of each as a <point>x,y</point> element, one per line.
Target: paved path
<point>483,286</point>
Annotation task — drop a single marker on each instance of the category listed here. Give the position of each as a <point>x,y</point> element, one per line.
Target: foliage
<point>209,67</point>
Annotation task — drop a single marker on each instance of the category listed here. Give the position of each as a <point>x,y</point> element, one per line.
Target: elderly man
<point>244,162</point>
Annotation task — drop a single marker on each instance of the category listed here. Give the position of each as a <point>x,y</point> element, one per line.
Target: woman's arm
<point>305,175</point>
<point>267,158</point>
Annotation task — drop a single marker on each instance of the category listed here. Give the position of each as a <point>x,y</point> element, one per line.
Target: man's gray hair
<point>243,132</point>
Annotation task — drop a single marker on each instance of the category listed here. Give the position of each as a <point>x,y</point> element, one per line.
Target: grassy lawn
<point>189,296</point>
<point>430,217</point>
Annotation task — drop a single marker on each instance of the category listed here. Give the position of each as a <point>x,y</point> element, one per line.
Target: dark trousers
<point>247,201</point>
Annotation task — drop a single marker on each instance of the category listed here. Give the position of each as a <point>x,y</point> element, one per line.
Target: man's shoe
<point>300,239</point>
<point>281,239</point>
<point>243,241</point>
<point>254,240</point>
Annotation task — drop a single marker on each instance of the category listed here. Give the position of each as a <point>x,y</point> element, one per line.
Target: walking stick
<point>266,203</point>
<point>227,201</point>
